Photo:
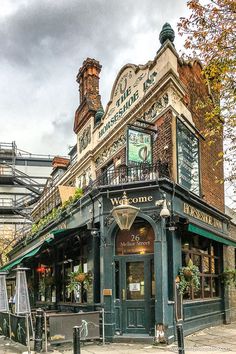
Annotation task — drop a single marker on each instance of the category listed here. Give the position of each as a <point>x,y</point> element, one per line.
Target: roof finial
<point>167,32</point>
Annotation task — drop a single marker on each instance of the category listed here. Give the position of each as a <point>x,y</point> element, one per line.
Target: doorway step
<point>133,338</point>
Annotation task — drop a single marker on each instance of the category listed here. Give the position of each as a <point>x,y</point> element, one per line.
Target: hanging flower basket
<point>188,273</point>
<point>189,278</point>
<point>80,278</point>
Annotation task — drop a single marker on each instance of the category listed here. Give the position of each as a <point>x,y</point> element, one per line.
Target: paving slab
<point>213,340</point>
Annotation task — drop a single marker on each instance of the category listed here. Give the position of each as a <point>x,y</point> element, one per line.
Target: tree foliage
<point>211,36</point>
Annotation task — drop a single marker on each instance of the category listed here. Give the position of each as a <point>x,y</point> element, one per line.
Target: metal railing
<point>130,174</point>
<point>6,202</point>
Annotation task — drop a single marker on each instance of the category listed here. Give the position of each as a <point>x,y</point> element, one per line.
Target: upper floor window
<point>187,158</point>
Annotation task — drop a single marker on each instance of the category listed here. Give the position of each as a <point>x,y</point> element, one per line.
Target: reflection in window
<point>135,280</point>
<point>205,254</point>
<point>153,288</point>
<point>117,279</point>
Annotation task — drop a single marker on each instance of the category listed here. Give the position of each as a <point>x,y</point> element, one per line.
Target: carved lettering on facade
<point>200,215</point>
<point>135,200</point>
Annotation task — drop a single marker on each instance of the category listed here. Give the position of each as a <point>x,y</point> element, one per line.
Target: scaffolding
<point>19,191</point>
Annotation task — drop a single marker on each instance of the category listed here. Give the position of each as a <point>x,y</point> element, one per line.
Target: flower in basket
<point>79,277</point>
<point>189,277</point>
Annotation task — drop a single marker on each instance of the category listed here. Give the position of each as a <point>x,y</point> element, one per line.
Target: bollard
<point>180,338</point>
<point>76,340</point>
<point>38,342</point>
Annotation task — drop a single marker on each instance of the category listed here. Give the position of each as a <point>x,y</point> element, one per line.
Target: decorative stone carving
<point>137,81</point>
<point>85,138</point>
<point>156,108</point>
<point>84,179</point>
<point>111,150</point>
<point>155,216</point>
<point>108,221</point>
<point>121,86</point>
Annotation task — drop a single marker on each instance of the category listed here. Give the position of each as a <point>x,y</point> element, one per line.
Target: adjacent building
<point>148,143</point>
<point>22,179</point>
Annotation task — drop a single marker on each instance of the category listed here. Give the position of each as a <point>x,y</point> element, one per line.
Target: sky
<point>43,44</point>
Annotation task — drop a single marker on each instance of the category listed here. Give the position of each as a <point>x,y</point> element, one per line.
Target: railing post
<point>76,340</point>
<point>38,342</point>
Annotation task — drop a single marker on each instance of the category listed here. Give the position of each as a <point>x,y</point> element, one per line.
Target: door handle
<point>123,294</point>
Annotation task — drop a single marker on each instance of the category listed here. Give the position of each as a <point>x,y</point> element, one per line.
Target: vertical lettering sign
<point>187,158</point>
<point>139,147</point>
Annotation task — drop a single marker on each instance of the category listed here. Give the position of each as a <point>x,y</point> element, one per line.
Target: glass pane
<point>207,287</point>
<point>215,287</point>
<point>205,265</point>
<point>213,266</point>
<point>197,261</point>
<point>117,279</point>
<point>135,280</point>
<point>153,290</point>
<point>198,293</point>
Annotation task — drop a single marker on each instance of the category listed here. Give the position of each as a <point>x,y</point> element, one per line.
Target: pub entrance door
<point>135,298</point>
<point>134,280</point>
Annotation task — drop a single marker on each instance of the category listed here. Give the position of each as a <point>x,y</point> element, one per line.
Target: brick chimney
<point>88,79</point>
<point>90,100</point>
<point>60,162</point>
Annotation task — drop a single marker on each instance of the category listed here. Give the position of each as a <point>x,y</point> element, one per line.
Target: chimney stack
<point>88,79</point>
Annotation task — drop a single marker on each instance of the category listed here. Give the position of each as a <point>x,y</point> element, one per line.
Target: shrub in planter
<point>228,277</point>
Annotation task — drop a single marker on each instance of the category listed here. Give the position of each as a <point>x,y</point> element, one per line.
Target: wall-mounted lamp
<point>164,213</point>
<point>125,213</point>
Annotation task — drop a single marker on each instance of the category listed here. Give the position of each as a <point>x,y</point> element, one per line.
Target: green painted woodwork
<point>18,260</point>
<point>199,231</point>
<point>134,310</point>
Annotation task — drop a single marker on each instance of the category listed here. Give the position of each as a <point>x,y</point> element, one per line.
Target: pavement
<point>213,340</point>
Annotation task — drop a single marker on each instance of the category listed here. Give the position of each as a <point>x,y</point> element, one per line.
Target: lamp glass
<point>125,215</point>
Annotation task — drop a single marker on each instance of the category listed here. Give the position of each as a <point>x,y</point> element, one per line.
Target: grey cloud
<point>44,42</point>
<point>54,28</point>
<point>60,135</point>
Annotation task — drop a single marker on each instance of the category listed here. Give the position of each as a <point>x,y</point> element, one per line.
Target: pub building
<point>145,151</point>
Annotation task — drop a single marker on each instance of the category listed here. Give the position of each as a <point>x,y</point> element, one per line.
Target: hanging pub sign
<point>139,147</point>
<point>187,158</point>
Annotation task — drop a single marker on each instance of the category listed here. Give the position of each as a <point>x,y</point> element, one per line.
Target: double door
<point>135,294</point>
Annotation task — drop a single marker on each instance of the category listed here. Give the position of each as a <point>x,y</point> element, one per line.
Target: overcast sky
<point>44,42</point>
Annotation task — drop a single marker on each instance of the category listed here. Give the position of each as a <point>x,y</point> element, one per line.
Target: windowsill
<point>185,302</point>
<point>83,304</point>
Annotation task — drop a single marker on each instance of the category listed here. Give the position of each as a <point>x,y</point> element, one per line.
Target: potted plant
<point>228,277</point>
<point>189,277</point>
